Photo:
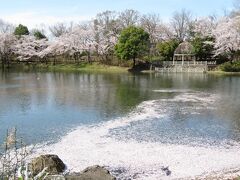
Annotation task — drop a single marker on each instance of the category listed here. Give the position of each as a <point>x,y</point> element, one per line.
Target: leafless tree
<point>180,23</point>
<point>106,29</point>
<point>107,22</point>
<point>165,32</point>
<point>6,27</point>
<point>151,24</point>
<point>60,28</point>
<point>128,17</point>
<point>236,11</point>
<point>237,4</point>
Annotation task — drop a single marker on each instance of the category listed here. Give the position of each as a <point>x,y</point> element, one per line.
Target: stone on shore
<point>92,173</point>
<point>53,164</point>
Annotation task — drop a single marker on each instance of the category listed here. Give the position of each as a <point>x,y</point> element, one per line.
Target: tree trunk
<point>2,62</point>
<point>88,57</point>
<point>232,58</point>
<point>134,62</point>
<point>8,63</point>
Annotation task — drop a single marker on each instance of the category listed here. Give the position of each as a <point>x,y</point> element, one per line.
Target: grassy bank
<point>93,67</point>
<point>219,72</point>
<point>228,68</point>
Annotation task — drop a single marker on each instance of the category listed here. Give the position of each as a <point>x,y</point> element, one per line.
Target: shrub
<point>231,66</point>
<point>21,30</point>
<point>39,35</point>
<point>166,49</point>
<point>13,156</point>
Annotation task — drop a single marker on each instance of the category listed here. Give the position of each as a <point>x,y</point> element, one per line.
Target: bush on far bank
<point>231,66</point>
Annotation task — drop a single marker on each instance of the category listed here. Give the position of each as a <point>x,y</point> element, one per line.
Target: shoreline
<point>81,67</point>
<point>223,73</point>
<point>105,171</point>
<point>93,67</point>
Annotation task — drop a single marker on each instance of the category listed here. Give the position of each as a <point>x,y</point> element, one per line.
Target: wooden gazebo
<point>184,52</point>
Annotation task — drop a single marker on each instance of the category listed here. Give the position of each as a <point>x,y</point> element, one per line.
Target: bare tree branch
<point>59,29</point>
<point>6,27</point>
<point>180,23</point>
<point>129,17</point>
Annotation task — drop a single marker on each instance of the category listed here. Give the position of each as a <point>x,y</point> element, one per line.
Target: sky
<point>36,13</point>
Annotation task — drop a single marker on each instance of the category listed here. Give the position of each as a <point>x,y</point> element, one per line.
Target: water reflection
<point>44,106</point>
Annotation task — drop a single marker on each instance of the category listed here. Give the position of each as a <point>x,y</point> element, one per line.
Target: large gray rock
<point>53,163</point>
<point>92,173</point>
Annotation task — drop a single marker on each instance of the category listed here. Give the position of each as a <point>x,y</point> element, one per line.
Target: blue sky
<point>35,12</point>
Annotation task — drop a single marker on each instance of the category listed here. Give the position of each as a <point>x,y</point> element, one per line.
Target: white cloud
<point>34,19</point>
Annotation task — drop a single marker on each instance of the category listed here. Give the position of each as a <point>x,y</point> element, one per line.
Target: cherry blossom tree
<point>7,42</point>
<point>227,35</point>
<point>151,23</point>
<point>59,47</point>
<point>105,42</point>
<point>28,47</point>
<point>106,30</point>
<point>80,39</point>
<point>204,27</point>
<point>100,36</point>
<point>165,32</point>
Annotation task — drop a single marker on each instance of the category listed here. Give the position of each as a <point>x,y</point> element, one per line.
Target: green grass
<point>93,67</point>
<point>220,72</point>
<point>228,68</point>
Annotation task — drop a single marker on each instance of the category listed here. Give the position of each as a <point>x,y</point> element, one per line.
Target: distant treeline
<point>98,39</point>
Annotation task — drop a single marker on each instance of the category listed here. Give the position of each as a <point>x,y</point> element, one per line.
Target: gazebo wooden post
<point>182,59</point>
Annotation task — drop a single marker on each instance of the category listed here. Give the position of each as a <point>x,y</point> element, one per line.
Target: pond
<point>134,124</point>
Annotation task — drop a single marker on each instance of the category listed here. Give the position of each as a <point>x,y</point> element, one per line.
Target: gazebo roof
<point>184,48</point>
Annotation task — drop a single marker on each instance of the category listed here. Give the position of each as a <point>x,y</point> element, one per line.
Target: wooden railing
<point>168,63</point>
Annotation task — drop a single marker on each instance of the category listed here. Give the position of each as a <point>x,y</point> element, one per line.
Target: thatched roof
<point>184,48</point>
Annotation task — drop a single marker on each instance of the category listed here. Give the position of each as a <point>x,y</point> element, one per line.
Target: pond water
<point>134,124</point>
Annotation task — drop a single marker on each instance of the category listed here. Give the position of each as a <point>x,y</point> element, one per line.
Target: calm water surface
<point>196,110</point>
